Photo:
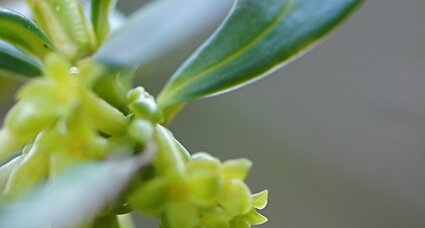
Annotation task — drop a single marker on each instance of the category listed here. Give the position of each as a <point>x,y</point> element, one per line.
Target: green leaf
<point>20,31</point>
<point>256,39</point>
<point>158,28</point>
<point>100,14</point>
<point>14,63</point>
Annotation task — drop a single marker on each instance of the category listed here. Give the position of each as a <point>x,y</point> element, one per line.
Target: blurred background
<point>338,137</point>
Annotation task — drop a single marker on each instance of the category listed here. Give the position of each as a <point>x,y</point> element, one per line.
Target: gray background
<point>338,137</point>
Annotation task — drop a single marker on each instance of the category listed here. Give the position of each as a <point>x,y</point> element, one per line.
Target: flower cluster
<point>205,193</point>
<point>61,123</point>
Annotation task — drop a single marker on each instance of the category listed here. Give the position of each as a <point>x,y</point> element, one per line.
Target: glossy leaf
<point>14,63</point>
<point>256,39</point>
<point>158,28</point>
<point>20,31</point>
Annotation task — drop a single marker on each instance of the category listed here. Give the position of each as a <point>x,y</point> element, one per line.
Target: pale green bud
<point>104,116</point>
<point>58,68</point>
<point>236,169</point>
<point>203,161</point>
<point>181,214</point>
<point>236,198</point>
<point>239,223</point>
<point>214,218</point>
<point>29,117</point>
<point>11,143</point>
<point>204,186</point>
<point>141,131</point>
<point>152,197</point>
<point>144,105</point>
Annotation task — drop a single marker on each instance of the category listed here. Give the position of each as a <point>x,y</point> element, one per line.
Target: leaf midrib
<point>245,48</point>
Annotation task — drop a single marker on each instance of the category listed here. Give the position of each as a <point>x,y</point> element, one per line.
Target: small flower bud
<point>236,169</point>
<point>236,198</point>
<point>143,105</point>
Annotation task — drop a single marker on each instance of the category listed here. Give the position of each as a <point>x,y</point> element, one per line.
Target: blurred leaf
<point>20,31</point>
<point>76,198</point>
<point>100,16</point>
<point>14,63</point>
<point>157,29</point>
<point>256,39</point>
<point>6,170</point>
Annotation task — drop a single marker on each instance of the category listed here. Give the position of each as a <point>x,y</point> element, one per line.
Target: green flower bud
<point>106,118</point>
<point>239,223</point>
<point>168,160</point>
<point>10,143</point>
<point>236,169</point>
<point>204,186</point>
<point>203,161</point>
<point>236,198</point>
<point>58,68</point>
<point>30,117</point>
<point>141,131</point>
<point>152,197</point>
<point>214,218</point>
<point>183,152</point>
<point>143,105</point>
<point>113,88</point>
<point>181,214</point>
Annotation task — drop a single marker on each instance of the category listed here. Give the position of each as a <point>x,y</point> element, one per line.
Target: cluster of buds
<point>59,123</point>
<point>198,191</point>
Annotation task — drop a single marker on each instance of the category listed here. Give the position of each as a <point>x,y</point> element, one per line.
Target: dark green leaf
<point>23,33</point>
<point>16,63</point>
<point>158,28</point>
<point>256,39</point>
